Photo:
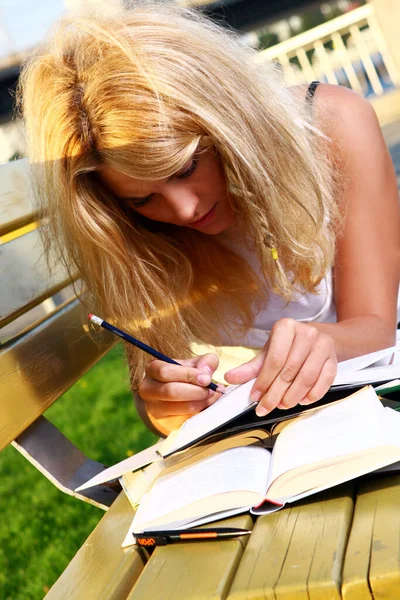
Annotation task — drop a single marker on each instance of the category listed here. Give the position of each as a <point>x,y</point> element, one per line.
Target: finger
<point>309,373</point>
<point>152,390</point>
<point>160,410</point>
<point>304,382</point>
<point>277,390</point>
<point>279,346</point>
<point>323,383</point>
<point>166,372</point>
<point>298,376</point>
<point>247,370</point>
<point>208,363</point>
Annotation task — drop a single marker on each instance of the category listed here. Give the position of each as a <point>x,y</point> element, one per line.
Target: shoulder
<point>336,105</point>
<point>351,127</point>
<point>346,118</point>
<point>337,109</point>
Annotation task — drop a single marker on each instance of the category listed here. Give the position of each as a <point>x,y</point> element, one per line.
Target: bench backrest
<point>45,342</point>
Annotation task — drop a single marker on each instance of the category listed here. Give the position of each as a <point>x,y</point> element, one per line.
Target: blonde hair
<point>141,93</point>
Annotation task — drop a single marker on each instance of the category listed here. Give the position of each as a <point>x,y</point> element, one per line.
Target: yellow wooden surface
<point>297,553</point>
<point>102,570</point>
<point>372,561</point>
<point>294,554</point>
<point>195,571</point>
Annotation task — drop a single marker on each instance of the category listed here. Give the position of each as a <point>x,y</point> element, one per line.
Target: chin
<point>215,228</point>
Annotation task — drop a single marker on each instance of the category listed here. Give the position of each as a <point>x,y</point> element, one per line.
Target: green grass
<point>40,527</point>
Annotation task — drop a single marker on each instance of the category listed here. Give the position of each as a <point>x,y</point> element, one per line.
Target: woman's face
<point>195,197</point>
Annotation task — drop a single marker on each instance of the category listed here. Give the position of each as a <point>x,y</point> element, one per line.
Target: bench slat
<point>101,569</point>
<point>297,553</point>
<point>16,208</point>
<point>36,369</point>
<point>25,279</point>
<point>371,568</point>
<point>200,570</point>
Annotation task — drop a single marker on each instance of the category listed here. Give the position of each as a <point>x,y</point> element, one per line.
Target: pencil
<point>161,538</point>
<point>129,338</point>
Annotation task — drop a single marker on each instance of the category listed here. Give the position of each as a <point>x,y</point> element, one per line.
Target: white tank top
<point>319,306</point>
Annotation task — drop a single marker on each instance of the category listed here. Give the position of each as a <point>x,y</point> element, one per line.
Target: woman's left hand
<point>296,366</point>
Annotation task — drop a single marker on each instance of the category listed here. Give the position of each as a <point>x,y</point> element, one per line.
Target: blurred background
<point>346,42</point>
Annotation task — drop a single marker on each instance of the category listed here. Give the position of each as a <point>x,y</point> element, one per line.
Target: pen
<point>161,538</point>
<point>128,338</point>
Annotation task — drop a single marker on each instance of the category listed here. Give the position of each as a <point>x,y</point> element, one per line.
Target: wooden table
<point>343,543</point>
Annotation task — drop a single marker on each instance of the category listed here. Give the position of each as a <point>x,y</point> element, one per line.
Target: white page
<point>360,362</point>
<point>232,470</point>
<point>133,463</point>
<point>367,375</point>
<point>381,462</point>
<point>348,426</point>
<point>392,426</point>
<point>235,401</point>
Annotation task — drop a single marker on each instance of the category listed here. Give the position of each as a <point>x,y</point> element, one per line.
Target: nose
<point>182,202</point>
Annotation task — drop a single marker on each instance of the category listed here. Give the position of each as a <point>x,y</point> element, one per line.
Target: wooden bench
<point>341,544</point>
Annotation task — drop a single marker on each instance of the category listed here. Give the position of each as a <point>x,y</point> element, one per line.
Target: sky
<point>25,22</point>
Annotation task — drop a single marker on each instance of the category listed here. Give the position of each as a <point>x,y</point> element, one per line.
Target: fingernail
<point>203,379</point>
<point>282,407</point>
<point>221,388</point>
<point>261,411</point>
<point>207,369</point>
<point>255,395</point>
<point>305,402</point>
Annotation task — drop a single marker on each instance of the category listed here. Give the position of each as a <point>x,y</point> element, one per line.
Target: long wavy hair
<point>141,92</point>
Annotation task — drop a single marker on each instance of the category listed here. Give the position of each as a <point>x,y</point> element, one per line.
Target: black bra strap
<point>311,91</point>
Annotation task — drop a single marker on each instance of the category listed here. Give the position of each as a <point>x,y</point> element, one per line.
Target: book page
<point>367,375</point>
<point>361,362</point>
<point>234,470</point>
<point>133,463</point>
<point>231,404</point>
<point>209,447</point>
<point>345,427</point>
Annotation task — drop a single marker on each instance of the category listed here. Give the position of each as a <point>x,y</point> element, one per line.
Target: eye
<point>189,170</point>
<point>137,202</point>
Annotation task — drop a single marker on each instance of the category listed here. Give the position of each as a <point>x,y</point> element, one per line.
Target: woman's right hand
<point>178,390</point>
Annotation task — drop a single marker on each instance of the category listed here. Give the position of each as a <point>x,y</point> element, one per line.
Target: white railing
<point>349,50</point>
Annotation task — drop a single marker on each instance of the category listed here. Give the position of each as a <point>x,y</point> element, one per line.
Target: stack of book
<point>226,460</point>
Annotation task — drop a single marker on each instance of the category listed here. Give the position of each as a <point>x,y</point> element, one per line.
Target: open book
<point>227,413</point>
<point>316,451</point>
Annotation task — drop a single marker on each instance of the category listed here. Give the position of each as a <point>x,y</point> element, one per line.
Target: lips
<point>205,218</point>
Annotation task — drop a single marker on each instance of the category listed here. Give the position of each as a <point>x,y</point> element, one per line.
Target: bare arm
<point>298,363</point>
<point>367,265</point>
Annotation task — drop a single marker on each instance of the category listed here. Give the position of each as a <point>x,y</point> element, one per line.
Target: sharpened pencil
<point>132,340</point>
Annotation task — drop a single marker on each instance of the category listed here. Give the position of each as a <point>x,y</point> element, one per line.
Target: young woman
<point>205,203</point>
